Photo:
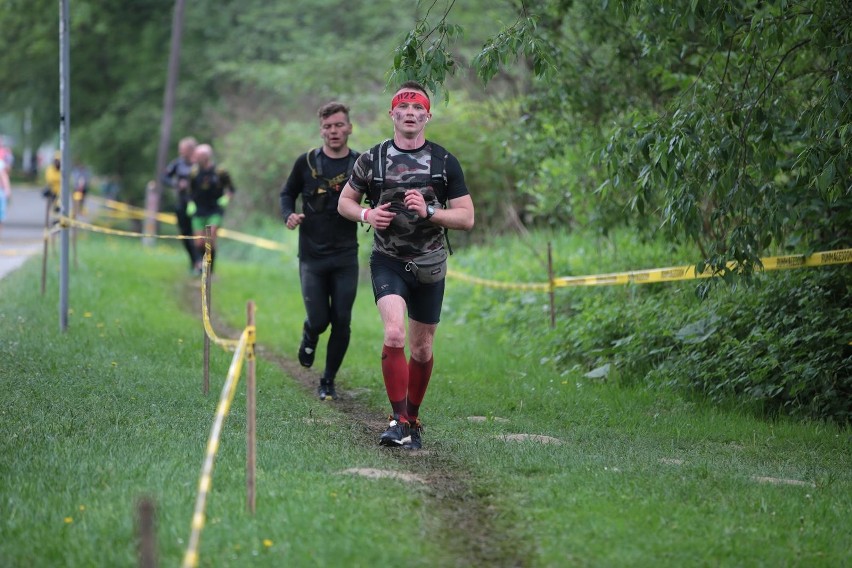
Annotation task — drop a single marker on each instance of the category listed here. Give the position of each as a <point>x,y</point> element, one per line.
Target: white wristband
<point>363,215</point>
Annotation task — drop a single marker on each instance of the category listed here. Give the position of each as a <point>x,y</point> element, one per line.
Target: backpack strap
<point>439,182</point>
<point>353,157</point>
<point>436,172</point>
<point>379,154</point>
<point>316,167</point>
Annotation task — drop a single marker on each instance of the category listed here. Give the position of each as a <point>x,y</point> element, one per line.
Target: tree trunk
<point>152,198</point>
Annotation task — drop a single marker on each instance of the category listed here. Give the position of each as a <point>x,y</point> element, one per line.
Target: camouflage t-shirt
<point>408,235</point>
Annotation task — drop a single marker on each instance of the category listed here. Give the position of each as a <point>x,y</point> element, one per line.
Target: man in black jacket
<point>328,245</point>
<point>176,176</point>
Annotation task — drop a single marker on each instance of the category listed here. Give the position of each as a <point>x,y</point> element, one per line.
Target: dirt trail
<point>465,522</point>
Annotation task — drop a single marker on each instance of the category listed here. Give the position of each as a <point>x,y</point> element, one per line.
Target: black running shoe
<point>415,442</point>
<point>326,389</point>
<point>398,432</point>
<point>307,353</point>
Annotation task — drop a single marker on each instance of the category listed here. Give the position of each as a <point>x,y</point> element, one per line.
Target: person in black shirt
<point>408,262</point>
<point>210,191</point>
<point>176,176</point>
<point>328,243</point>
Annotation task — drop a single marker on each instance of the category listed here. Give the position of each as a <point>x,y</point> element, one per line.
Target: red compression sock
<point>395,373</point>
<point>419,374</point>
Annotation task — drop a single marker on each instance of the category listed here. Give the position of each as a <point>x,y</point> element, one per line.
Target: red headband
<point>410,97</point>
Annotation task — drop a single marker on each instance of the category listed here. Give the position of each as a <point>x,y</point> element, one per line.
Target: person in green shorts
<point>210,191</point>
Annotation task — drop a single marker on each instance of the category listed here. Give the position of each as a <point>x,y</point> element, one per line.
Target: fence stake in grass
<point>47,204</point>
<point>75,214</point>
<point>145,530</point>
<point>551,285</point>
<point>208,253</point>
<point>251,407</point>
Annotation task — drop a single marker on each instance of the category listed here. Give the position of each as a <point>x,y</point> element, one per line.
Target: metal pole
<point>64,135</point>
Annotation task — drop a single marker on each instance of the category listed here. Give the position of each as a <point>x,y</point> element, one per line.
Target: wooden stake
<point>49,202</point>
<point>146,534</point>
<point>208,239</point>
<point>74,216</point>
<point>552,287</point>
<point>251,408</point>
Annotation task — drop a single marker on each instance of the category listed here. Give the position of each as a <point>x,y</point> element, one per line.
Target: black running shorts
<point>389,276</point>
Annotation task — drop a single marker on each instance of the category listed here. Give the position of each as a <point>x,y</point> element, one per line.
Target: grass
<point>111,410</point>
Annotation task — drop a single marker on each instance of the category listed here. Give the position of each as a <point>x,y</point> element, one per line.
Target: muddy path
<point>465,521</point>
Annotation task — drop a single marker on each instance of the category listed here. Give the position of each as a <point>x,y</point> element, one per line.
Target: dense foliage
<point>726,124</point>
<point>780,346</point>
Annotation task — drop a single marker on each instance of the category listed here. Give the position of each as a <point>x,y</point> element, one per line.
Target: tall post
<point>206,265</point>
<point>551,286</point>
<point>152,198</point>
<point>64,134</point>
<point>48,203</point>
<point>75,214</point>
<point>146,534</point>
<point>251,410</point>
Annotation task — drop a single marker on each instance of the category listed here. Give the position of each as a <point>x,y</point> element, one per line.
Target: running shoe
<point>398,432</point>
<point>326,389</point>
<point>307,353</point>
<point>415,442</point>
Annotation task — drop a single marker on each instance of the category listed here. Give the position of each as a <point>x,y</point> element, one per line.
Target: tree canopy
<point>725,124</point>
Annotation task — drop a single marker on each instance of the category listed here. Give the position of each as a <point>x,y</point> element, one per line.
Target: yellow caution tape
<point>227,344</point>
<point>205,482</point>
<point>655,275</point>
<point>688,272</point>
<point>17,252</point>
<point>138,212</point>
<point>69,222</point>
<point>252,240</point>
<point>171,218</point>
<point>496,284</point>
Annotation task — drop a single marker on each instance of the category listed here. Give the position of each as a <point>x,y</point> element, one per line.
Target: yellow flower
<point>69,520</point>
<point>87,314</point>
<point>82,507</point>
<point>267,543</point>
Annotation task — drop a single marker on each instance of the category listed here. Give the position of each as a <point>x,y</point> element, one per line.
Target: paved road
<point>21,235</point>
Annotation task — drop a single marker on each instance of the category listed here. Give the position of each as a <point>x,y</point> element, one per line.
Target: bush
<point>783,345</point>
<point>779,345</point>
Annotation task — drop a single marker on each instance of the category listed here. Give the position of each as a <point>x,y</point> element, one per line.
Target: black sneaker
<point>398,432</point>
<point>307,353</point>
<point>326,390</point>
<point>415,442</point>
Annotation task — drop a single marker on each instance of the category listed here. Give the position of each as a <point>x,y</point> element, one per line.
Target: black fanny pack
<point>430,267</point>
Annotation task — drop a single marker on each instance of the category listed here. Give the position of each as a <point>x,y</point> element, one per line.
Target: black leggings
<point>184,223</point>
<point>328,290</point>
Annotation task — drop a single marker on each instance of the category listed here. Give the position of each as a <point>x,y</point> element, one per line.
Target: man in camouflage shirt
<point>409,224</point>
